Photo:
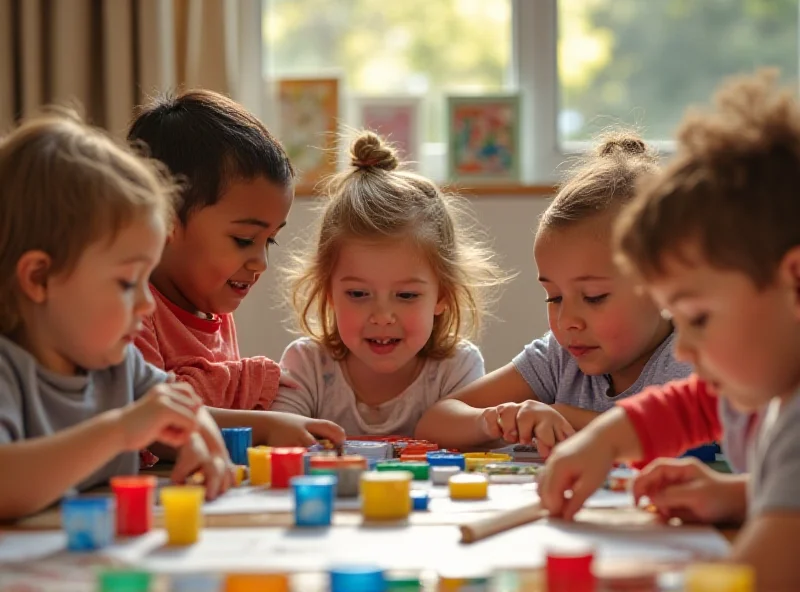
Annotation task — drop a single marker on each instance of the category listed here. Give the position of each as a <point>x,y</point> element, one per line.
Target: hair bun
<point>622,143</point>
<point>369,150</point>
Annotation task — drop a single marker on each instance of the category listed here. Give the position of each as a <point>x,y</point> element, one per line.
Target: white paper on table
<point>417,548</point>
<point>257,500</point>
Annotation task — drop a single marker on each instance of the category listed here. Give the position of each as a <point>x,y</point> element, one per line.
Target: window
<point>423,47</point>
<point>642,63</point>
<point>581,66</point>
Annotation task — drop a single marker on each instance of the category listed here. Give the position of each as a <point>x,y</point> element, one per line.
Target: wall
<point>519,315</point>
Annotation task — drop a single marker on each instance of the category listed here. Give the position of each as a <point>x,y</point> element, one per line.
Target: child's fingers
<point>526,424</point>
<point>491,423</point>
<point>215,471</point>
<point>184,392</point>
<point>684,496</point>
<point>582,488</point>
<point>186,464</point>
<point>543,449</point>
<point>508,422</point>
<point>564,430</point>
<point>545,434</point>
<point>661,473</point>
<point>174,422</point>
<point>326,430</point>
<point>554,482</point>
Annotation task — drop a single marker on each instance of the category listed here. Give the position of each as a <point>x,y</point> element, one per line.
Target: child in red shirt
<point>238,187</point>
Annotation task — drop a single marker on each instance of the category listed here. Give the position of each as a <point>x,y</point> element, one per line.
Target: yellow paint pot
<point>468,486</point>
<point>260,460</point>
<point>386,495</point>
<point>183,513</point>
<point>476,460</point>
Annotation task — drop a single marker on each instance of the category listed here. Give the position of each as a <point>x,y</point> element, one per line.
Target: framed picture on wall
<point>308,115</point>
<point>396,118</point>
<point>483,138</point>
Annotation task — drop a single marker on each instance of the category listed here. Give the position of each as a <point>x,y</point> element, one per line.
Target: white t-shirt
<point>325,394</point>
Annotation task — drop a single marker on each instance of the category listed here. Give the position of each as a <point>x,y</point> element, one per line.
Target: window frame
<point>533,73</point>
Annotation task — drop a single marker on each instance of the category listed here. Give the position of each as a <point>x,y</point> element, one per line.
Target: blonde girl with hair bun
<point>387,295</point>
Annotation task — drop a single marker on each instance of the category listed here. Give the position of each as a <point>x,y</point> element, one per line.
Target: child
<point>386,295</point>
<point>238,189</point>
<point>716,241</point>
<point>606,341</point>
<point>82,224</point>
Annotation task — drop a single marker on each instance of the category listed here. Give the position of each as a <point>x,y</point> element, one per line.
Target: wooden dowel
<point>501,521</point>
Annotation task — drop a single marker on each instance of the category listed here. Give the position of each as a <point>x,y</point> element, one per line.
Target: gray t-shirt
<point>36,402</point>
<point>774,460</point>
<point>324,393</point>
<point>554,376</point>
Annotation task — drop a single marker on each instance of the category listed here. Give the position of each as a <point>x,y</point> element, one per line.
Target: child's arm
<point>279,429</point>
<point>44,468</point>
<point>660,421</point>
<point>769,543</point>
<point>672,418</point>
<point>248,383</point>
<point>458,421</point>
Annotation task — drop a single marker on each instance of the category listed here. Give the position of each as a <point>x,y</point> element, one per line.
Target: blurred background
<point>579,66</point>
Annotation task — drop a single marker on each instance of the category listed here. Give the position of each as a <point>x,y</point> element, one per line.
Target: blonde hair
<point>732,186</point>
<point>376,200</point>
<point>64,186</point>
<point>601,181</point>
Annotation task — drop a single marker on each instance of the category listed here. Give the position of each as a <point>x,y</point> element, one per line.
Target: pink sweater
<point>205,353</point>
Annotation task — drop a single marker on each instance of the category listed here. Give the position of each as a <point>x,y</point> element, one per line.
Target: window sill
<point>517,190</point>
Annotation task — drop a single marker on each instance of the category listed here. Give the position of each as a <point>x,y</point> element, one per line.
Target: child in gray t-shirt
<point>606,340</point>
<point>83,223</point>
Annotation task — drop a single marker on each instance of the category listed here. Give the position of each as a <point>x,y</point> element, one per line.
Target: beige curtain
<point>110,55</point>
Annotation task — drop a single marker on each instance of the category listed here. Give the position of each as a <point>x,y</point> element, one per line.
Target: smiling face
<point>593,310</point>
<point>211,263</point>
<point>742,339</point>
<point>385,297</point>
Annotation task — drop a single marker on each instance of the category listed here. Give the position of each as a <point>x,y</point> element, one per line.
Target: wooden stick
<point>501,521</point>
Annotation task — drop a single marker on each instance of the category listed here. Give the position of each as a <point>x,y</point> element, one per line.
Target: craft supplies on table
<point>313,499</point>
<point>285,464</point>
<point>134,501</point>
<point>183,513</point>
<point>237,441</point>
<point>386,495</point>
<point>89,522</point>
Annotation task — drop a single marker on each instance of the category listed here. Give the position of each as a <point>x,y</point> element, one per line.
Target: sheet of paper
<point>256,500</point>
<point>392,547</point>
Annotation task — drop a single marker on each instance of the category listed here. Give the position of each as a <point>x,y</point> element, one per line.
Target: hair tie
<point>366,163</point>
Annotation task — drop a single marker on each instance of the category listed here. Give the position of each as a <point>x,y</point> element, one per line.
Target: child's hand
<point>687,489</point>
<point>167,414</point>
<point>205,451</point>
<point>580,465</point>
<point>288,429</point>
<point>521,422</point>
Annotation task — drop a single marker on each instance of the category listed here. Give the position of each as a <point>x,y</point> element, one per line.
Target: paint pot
<point>89,522</point>
<point>386,495</point>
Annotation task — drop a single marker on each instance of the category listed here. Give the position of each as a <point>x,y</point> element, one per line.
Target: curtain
<point>107,56</point>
